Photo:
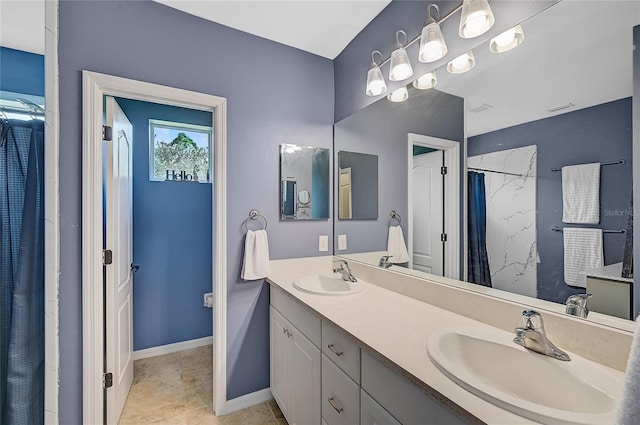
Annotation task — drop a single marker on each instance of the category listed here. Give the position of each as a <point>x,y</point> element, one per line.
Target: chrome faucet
<point>344,270</point>
<point>384,261</point>
<point>577,305</point>
<point>533,336</point>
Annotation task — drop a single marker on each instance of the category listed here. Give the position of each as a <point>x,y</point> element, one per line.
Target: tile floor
<point>176,389</point>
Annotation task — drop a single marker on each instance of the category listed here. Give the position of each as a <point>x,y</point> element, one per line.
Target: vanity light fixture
<point>400,66</point>
<point>375,80</point>
<point>432,44</point>
<point>399,95</point>
<point>462,63</point>
<point>507,40</point>
<point>477,18</point>
<point>427,81</point>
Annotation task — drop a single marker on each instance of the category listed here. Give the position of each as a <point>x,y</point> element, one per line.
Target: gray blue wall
<point>352,64</point>
<point>597,134</point>
<point>172,240</point>
<point>381,129</point>
<point>21,72</point>
<point>147,41</point>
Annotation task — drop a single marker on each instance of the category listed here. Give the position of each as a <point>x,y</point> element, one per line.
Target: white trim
<point>465,200</point>
<point>95,87</point>
<point>249,400</point>
<point>452,197</point>
<point>172,348</point>
<point>51,216</point>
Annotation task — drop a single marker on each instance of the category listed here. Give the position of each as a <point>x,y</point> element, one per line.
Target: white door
<point>118,276</point>
<point>427,251</point>
<point>345,193</point>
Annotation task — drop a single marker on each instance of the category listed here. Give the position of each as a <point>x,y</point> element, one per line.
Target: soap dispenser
<point>577,305</point>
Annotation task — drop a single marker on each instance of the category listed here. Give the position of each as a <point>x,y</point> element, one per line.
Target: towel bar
<point>254,215</point>
<point>558,229</point>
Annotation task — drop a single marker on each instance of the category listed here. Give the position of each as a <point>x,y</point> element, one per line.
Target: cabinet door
<point>279,341</point>
<point>371,413</point>
<point>304,380</point>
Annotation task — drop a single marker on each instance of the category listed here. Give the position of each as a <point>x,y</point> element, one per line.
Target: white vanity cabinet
<point>295,360</point>
<point>371,413</point>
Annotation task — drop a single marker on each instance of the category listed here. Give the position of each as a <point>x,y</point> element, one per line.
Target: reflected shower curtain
<point>478,260</point>
<point>21,272</point>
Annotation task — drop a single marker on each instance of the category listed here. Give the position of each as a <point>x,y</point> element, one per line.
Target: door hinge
<point>107,133</point>
<point>443,237</point>
<point>107,257</point>
<point>443,170</point>
<point>107,380</point>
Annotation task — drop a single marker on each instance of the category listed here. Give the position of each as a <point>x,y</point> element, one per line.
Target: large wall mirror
<point>561,98</point>
<point>304,182</point>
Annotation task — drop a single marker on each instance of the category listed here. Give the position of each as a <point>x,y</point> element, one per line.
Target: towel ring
<point>395,215</point>
<point>254,215</point>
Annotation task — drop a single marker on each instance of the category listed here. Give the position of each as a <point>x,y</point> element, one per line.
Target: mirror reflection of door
<point>345,193</point>
<point>288,197</point>
<point>427,252</point>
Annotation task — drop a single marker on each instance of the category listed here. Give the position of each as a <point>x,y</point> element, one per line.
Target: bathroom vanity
<point>363,359</point>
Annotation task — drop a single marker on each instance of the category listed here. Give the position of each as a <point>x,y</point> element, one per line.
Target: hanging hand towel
<point>255,264</point>
<point>581,193</point>
<point>582,251</point>
<point>629,411</point>
<point>396,247</point>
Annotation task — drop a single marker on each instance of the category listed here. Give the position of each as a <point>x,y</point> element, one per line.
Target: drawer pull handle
<point>286,332</point>
<point>335,405</point>
<point>335,350</point>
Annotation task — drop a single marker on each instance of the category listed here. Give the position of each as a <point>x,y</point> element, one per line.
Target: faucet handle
<point>532,320</point>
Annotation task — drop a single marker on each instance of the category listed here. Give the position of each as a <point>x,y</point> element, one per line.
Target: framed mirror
<point>358,186</point>
<point>304,182</point>
<point>519,117</point>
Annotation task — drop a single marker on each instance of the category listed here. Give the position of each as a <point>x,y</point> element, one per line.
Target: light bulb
<point>476,21</point>
<point>506,37</point>
<point>400,68</point>
<point>427,81</point>
<point>462,63</point>
<point>399,95</point>
<point>432,44</point>
<point>375,81</point>
<point>507,40</point>
<point>476,18</point>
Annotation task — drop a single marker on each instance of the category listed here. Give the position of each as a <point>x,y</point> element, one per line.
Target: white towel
<point>581,193</point>
<point>629,411</point>
<point>255,264</point>
<point>582,251</point>
<point>396,247</point>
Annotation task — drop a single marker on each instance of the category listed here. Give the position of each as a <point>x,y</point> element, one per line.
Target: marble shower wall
<point>511,218</point>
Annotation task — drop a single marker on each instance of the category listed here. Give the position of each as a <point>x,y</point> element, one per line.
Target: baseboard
<point>172,348</point>
<point>248,400</point>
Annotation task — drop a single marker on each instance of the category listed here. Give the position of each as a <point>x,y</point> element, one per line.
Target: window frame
<point>154,123</point>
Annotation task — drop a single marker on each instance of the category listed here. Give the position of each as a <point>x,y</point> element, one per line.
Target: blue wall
<point>21,72</point>
<point>172,240</point>
<point>597,134</point>
<point>290,101</point>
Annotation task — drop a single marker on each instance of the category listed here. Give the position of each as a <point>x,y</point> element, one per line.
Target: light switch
<point>342,242</point>
<point>323,243</point>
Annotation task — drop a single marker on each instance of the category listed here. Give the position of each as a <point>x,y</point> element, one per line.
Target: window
<point>179,152</point>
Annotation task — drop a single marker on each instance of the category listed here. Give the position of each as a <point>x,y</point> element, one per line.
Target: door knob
<point>135,267</point>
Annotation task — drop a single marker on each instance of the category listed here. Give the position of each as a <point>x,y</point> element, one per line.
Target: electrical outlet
<point>323,243</point>
<point>342,242</point>
<point>208,300</point>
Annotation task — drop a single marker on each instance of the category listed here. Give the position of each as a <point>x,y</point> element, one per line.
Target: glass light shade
<point>399,95</point>
<point>507,40</point>
<point>476,19</point>
<point>400,66</point>
<point>462,63</point>
<point>432,45</point>
<point>427,81</point>
<point>375,82</point>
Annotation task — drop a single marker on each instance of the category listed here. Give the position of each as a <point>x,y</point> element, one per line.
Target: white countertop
<point>610,272</point>
<point>395,326</point>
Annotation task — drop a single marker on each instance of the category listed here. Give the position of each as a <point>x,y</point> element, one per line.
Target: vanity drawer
<point>300,316</point>
<point>371,413</point>
<point>408,403</point>
<point>340,396</point>
<point>342,349</point>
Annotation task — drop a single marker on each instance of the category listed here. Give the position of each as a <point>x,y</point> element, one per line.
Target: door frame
<point>452,198</point>
<point>94,87</point>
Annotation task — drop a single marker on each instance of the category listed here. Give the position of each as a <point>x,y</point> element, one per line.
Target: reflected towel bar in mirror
<point>618,162</point>
<point>620,231</point>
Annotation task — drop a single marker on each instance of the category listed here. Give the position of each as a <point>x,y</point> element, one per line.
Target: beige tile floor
<point>177,388</point>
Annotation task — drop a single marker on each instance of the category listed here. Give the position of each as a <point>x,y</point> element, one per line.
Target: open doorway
<point>102,392</point>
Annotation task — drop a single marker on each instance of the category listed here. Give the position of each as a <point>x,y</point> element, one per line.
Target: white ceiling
<point>323,27</point>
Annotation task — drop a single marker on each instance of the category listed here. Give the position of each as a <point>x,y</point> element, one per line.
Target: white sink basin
<point>329,284</point>
<point>491,366</point>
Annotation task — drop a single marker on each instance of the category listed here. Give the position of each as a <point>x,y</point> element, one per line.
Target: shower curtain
<point>21,272</point>
<point>478,260</point>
